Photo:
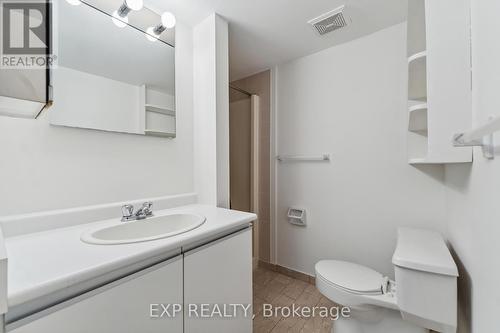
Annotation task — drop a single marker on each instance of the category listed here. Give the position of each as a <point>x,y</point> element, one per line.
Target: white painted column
<point>211,111</point>
<point>222,79</point>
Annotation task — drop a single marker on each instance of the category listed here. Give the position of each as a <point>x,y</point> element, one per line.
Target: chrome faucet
<point>127,213</point>
<point>144,212</point>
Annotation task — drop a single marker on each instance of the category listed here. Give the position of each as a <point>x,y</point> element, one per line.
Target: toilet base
<point>377,321</point>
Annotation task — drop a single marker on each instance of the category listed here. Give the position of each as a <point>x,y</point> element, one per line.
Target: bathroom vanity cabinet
<point>214,273</point>
<point>219,273</point>
<point>121,306</point>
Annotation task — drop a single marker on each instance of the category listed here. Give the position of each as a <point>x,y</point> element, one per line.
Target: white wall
<point>350,101</point>
<point>474,190</point>
<point>45,167</point>
<point>211,111</point>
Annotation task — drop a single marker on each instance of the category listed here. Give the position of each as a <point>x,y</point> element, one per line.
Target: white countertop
<point>43,263</point>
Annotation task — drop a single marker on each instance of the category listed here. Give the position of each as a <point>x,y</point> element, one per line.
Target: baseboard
<point>287,271</point>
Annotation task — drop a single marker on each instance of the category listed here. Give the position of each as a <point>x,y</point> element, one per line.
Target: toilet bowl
<point>362,290</point>
<point>422,297</point>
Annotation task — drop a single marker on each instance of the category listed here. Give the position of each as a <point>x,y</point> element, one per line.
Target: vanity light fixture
<point>120,16</point>
<point>167,22</point>
<point>119,21</point>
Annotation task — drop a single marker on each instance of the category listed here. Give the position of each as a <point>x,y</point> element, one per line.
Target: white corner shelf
<point>417,105</point>
<point>417,57</point>
<point>159,109</point>
<point>153,132</point>
<point>417,76</point>
<point>417,120</point>
<point>439,95</point>
<point>427,160</point>
<point>419,161</point>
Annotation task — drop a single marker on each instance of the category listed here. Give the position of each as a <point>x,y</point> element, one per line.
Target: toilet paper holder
<point>297,216</point>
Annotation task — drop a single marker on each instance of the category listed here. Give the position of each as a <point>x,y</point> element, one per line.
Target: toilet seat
<point>360,289</point>
<point>350,277</point>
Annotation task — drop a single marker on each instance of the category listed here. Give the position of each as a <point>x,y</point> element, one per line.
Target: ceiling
<point>264,33</point>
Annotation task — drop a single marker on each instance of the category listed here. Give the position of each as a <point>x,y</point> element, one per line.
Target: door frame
<point>254,172</point>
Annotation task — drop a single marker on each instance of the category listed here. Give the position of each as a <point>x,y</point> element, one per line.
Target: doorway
<point>244,156</point>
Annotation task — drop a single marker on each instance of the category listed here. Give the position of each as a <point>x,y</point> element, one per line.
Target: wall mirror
<point>111,75</point>
<point>24,71</point>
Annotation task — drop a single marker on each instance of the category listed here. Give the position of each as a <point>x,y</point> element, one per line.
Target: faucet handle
<point>146,207</point>
<point>127,211</point>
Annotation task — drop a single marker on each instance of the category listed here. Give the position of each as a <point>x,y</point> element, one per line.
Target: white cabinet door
<point>123,306</point>
<point>219,274</point>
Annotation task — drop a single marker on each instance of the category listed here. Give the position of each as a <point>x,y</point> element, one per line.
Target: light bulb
<point>150,34</point>
<point>134,4</point>
<point>168,20</point>
<point>74,2</point>
<point>120,22</point>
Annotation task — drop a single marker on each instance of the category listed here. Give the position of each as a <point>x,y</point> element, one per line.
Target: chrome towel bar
<point>481,136</point>
<point>303,158</point>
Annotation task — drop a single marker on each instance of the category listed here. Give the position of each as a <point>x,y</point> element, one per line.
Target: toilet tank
<point>426,280</point>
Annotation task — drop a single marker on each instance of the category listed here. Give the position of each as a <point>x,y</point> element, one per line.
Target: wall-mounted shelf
<point>427,160</point>
<point>439,87</point>
<point>417,120</point>
<point>417,59</point>
<point>417,76</point>
<point>152,132</point>
<point>157,113</point>
<point>421,161</point>
<point>159,109</point>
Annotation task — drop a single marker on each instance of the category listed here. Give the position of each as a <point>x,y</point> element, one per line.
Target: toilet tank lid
<point>423,250</point>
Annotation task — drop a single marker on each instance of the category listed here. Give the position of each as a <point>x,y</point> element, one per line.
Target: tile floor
<point>279,290</point>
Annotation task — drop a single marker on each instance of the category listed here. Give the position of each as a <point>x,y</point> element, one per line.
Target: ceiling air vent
<point>330,21</point>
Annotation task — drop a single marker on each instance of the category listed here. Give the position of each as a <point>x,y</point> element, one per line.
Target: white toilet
<point>423,297</point>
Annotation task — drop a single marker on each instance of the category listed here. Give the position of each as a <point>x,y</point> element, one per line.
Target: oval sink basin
<point>149,229</point>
